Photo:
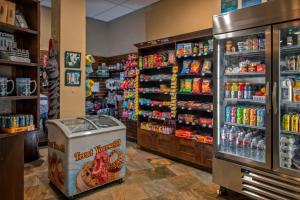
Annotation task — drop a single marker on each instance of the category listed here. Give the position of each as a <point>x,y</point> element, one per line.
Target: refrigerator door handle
<point>274,98</point>
<point>267,94</point>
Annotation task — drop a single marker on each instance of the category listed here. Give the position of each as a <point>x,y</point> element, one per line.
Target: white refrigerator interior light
<point>218,93</point>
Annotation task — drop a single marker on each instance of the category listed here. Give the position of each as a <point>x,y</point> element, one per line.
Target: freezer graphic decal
<point>100,165</point>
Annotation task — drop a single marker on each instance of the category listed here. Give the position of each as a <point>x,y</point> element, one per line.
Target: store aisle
<point>148,177</point>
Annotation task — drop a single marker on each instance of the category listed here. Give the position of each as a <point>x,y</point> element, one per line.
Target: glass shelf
<point>246,74</point>
<point>245,53</point>
<point>245,126</point>
<point>245,101</point>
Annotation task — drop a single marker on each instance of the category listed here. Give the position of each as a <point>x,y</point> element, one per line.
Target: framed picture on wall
<point>247,3</point>
<point>72,59</point>
<point>72,78</point>
<point>229,5</point>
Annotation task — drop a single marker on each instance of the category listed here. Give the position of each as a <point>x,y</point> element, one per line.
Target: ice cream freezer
<point>85,152</point>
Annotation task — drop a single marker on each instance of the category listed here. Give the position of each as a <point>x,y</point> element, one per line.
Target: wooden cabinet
<point>11,167</point>
<point>178,148</point>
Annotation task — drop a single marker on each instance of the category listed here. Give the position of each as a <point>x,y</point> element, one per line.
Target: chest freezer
<point>85,152</point>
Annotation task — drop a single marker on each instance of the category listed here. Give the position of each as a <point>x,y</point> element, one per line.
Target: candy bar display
<point>149,102</point>
<point>159,60</point>
<point>206,139</point>
<point>159,77</point>
<point>194,49</point>
<point>155,90</point>
<point>158,128</point>
<point>185,133</point>
<point>195,120</point>
<point>194,105</point>
<point>156,114</point>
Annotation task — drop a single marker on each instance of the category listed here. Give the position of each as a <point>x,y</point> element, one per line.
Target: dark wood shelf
<point>15,29</point>
<point>8,62</point>
<point>18,98</point>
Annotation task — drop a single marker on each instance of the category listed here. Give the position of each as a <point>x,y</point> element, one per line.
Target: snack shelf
<point>154,106</point>
<point>183,93</point>
<point>245,126</point>
<point>166,93</point>
<point>245,53</point>
<point>199,74</point>
<point>196,109</point>
<point>246,74</point>
<point>195,124</point>
<point>158,80</point>
<point>162,67</point>
<point>290,132</point>
<point>244,101</point>
<point>155,118</point>
<point>209,54</point>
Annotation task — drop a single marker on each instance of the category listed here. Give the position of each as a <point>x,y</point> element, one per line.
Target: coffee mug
<point>24,86</point>
<point>3,86</point>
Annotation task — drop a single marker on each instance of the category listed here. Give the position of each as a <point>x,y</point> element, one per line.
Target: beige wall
<point>69,31</point>
<point>126,31</point>
<point>173,17</point>
<point>45,27</point>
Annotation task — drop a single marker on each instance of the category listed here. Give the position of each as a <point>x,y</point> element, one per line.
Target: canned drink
<point>286,122</point>
<point>246,114</point>
<point>233,114</point>
<point>295,123</point>
<point>239,118</point>
<point>14,122</point>
<point>252,117</point>
<point>228,114</point>
<point>260,117</point>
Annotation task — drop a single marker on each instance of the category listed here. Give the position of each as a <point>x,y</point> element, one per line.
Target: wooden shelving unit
<point>188,151</point>
<point>26,39</point>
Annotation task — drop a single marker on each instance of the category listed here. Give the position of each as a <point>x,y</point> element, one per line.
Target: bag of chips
<point>186,67</point>
<point>188,85</point>
<point>195,66</point>
<point>196,86</point>
<point>182,85</point>
<point>206,68</point>
<point>206,86</point>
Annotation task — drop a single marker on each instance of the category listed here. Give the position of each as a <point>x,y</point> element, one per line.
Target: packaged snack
<point>186,67</point>
<point>188,85</point>
<point>195,66</point>
<point>187,49</point>
<point>182,85</point>
<point>205,49</point>
<point>171,58</point>
<point>206,68</point>
<point>201,48</point>
<point>179,50</point>
<point>206,86</point>
<point>195,49</point>
<point>196,86</point>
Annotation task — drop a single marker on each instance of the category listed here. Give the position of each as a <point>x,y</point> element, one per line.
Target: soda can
<point>14,122</point>
<point>31,119</point>
<point>239,119</point>
<point>227,113</point>
<point>295,123</point>
<point>233,114</point>
<point>252,117</point>
<point>260,117</point>
<point>246,115</point>
<point>286,122</point>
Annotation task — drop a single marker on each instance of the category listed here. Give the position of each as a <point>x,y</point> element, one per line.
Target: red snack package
<point>195,67</point>
<point>196,86</point>
<point>206,86</point>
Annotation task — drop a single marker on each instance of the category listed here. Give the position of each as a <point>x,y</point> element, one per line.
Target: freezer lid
<point>102,121</point>
<point>77,125</point>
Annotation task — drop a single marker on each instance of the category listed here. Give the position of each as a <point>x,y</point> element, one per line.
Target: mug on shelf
<point>3,86</point>
<point>23,86</point>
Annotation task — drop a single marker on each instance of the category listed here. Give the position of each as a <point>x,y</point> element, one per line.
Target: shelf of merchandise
<point>245,53</point>
<point>210,54</point>
<point>290,103</point>
<point>290,132</point>
<point>288,73</point>
<point>290,49</point>
<point>197,109</point>
<point>255,74</point>
<point>250,101</point>
<point>164,93</point>
<point>245,126</point>
<point>189,151</point>
<point>13,98</point>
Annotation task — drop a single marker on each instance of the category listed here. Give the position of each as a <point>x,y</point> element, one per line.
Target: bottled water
<point>239,141</point>
<point>232,138</point>
<point>246,144</point>
<point>224,138</point>
<point>261,150</point>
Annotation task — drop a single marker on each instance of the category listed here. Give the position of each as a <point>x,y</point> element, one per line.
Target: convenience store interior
<point>150,99</point>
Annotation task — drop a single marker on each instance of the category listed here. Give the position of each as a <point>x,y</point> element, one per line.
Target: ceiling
<point>107,10</point>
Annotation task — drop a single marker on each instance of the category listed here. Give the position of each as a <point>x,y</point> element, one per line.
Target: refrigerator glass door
<point>243,106</point>
<point>102,121</point>
<point>286,94</point>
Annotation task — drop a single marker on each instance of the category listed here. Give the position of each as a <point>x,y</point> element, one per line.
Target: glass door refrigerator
<point>257,104</point>
<point>286,98</point>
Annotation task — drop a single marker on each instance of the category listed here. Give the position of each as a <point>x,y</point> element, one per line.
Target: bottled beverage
<point>260,117</point>
<point>261,41</point>
<point>247,143</point>
<point>295,123</point>
<point>239,117</point>
<point>287,90</point>
<point>289,38</point>
<point>248,91</point>
<point>261,150</point>
<point>252,117</point>
<point>239,140</point>
<point>232,138</point>
<point>296,90</point>
<point>227,90</point>
<point>234,90</point>
<point>233,114</point>
<point>286,122</point>
<point>228,114</point>
<point>246,115</point>
<point>253,146</point>
<point>224,138</point>
<point>241,90</point>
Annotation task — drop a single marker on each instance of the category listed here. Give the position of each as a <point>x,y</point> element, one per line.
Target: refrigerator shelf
<point>239,154</point>
<point>245,126</point>
<point>245,53</point>
<point>291,103</point>
<point>290,132</point>
<point>246,74</point>
<point>290,49</point>
<point>290,72</point>
<point>244,101</point>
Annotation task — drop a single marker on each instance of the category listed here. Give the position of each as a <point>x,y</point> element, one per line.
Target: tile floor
<point>149,177</point>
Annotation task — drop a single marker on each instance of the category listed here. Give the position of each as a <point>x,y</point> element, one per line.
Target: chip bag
<point>195,66</point>
<point>186,67</point>
<point>206,68</point>
<point>206,86</point>
<point>182,85</point>
<point>188,85</point>
<point>196,86</point>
